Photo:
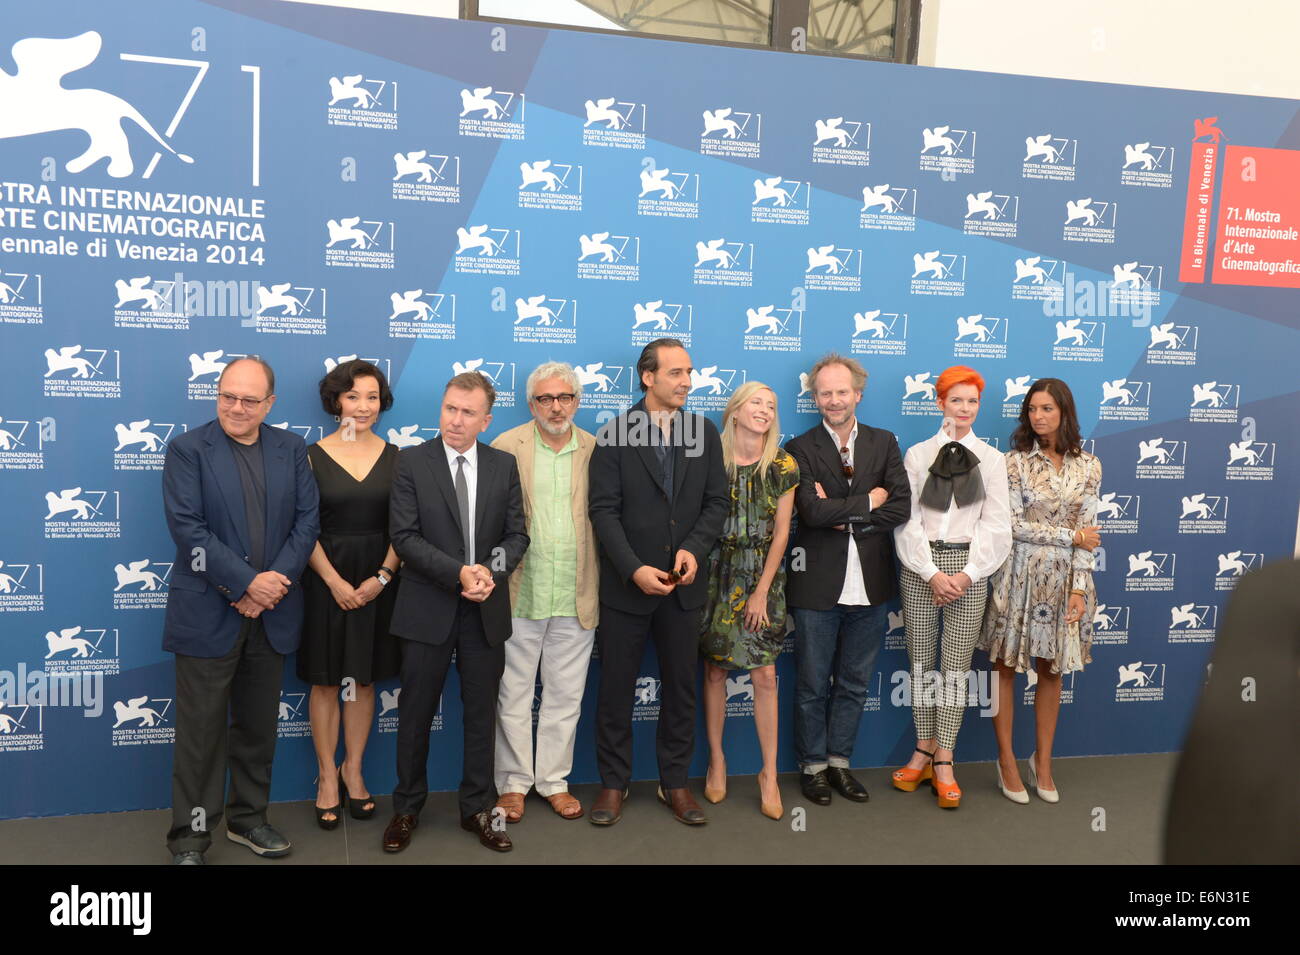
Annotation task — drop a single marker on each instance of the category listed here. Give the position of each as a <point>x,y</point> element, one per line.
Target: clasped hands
<point>658,583</point>
<point>948,587</point>
<point>476,582</point>
<point>264,591</point>
<point>878,497</point>
<point>353,598</point>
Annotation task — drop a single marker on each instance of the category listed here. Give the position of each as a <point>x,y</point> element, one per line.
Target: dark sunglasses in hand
<point>675,576</point>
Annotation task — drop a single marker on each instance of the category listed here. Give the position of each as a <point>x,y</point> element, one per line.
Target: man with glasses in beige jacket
<point>553,593</point>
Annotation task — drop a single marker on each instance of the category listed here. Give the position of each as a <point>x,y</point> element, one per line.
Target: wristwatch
<point>384,575</point>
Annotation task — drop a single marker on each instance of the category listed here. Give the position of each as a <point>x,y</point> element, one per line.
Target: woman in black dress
<point>349,586</point>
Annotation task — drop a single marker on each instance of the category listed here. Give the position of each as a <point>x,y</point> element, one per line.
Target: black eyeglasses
<point>249,404</point>
<point>545,400</point>
<point>844,462</point>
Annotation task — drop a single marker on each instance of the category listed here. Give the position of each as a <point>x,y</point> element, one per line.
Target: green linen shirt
<point>548,587</point>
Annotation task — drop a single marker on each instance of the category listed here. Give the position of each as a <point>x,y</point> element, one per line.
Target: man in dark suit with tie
<point>456,519</point>
<point>853,491</point>
<point>658,497</point>
<point>241,505</point>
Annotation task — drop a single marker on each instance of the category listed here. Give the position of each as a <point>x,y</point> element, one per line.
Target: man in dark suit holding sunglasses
<point>658,498</point>
<point>853,491</point>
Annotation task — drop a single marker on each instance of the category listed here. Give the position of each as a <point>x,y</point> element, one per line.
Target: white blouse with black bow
<point>985,523</point>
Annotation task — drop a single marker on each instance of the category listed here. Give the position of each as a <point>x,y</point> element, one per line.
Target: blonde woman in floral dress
<point>743,626</point>
<point>1043,595</point>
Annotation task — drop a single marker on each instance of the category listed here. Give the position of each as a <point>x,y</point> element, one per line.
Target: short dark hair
<point>649,360</point>
<point>474,381</point>
<point>1067,435</point>
<point>343,377</point>
<point>257,360</point>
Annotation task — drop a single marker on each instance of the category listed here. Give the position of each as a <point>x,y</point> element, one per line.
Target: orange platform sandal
<point>907,780</point>
<point>949,794</point>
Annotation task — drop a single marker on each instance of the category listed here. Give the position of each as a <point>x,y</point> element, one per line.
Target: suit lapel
<point>861,451</point>
<point>651,462</point>
<point>525,450</point>
<point>578,481</point>
<point>679,457</point>
<point>831,455</point>
<point>276,477</point>
<point>227,475</point>
<point>438,464</point>
<point>487,472</point>
<point>639,416</point>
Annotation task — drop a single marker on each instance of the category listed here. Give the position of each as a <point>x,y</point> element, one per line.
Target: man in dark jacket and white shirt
<point>853,491</point>
<point>456,518</point>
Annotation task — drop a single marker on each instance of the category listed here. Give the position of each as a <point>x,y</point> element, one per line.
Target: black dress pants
<point>424,671</point>
<point>226,712</point>
<point>621,637</point>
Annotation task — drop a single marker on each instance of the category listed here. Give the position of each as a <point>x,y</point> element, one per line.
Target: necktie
<point>462,500</point>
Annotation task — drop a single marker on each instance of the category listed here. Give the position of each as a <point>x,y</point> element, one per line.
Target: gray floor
<point>1126,793</point>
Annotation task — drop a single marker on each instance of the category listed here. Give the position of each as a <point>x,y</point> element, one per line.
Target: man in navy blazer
<point>241,505</point>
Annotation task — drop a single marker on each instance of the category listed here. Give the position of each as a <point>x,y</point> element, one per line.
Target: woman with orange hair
<point>959,534</point>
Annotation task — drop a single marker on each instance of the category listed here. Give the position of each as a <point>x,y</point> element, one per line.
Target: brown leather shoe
<point>491,836</point>
<point>608,807</point>
<point>398,834</point>
<point>685,808</point>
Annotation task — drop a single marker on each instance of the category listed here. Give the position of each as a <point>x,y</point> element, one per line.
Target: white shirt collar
<point>471,456</point>
<point>971,440</point>
<point>853,435</point>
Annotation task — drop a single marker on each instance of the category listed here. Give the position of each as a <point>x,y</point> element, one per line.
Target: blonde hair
<point>857,374</point>
<point>771,441</point>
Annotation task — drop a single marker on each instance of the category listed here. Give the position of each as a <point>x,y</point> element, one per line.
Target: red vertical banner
<point>1198,242</point>
<point>1258,234</point>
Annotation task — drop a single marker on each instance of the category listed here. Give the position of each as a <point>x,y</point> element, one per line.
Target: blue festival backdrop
<point>185,182</point>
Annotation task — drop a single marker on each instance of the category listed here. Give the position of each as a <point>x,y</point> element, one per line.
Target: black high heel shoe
<point>356,807</point>
<point>337,810</point>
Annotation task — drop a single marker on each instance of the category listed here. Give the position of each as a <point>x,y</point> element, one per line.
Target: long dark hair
<point>1067,435</point>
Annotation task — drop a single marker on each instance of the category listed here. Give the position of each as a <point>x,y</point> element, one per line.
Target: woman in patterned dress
<point>1043,597</point>
<point>743,626</point>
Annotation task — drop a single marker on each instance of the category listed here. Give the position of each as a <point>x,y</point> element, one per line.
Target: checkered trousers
<point>961,625</point>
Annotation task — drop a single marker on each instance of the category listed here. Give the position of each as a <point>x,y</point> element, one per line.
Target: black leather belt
<point>944,545</point>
